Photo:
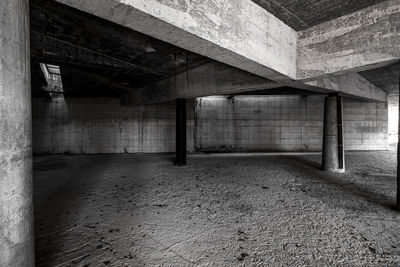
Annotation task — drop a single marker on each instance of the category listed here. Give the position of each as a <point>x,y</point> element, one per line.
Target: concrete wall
<point>102,125</point>
<point>283,123</point>
<point>242,123</point>
<point>365,125</point>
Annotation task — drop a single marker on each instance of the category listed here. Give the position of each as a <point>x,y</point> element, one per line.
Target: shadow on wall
<point>215,124</point>
<point>102,125</point>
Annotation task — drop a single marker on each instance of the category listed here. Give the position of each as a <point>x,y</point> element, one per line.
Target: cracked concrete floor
<point>220,210</point>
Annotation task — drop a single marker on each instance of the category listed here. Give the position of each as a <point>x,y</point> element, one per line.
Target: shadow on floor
<point>346,184</point>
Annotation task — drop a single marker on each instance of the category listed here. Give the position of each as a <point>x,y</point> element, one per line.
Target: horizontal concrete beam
<point>213,78</point>
<point>352,85</point>
<point>237,33</point>
<point>243,35</point>
<point>363,40</point>
<point>219,79</point>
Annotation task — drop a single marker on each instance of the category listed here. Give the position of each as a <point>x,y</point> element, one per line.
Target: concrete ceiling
<point>100,58</point>
<point>386,78</point>
<point>302,14</point>
<point>97,57</point>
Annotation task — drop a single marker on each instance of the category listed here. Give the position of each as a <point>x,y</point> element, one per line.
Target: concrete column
<point>398,157</point>
<point>333,151</point>
<point>16,207</point>
<point>180,132</point>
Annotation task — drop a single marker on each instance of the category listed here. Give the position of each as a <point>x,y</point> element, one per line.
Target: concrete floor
<point>220,210</point>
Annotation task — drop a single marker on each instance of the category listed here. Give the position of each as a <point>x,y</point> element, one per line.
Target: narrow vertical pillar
<point>180,132</point>
<point>398,155</point>
<point>340,133</point>
<point>16,207</point>
<point>333,150</point>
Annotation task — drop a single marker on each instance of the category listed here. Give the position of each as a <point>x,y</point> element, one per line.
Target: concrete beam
<point>363,40</point>
<point>219,79</point>
<point>212,78</point>
<point>238,33</point>
<point>351,85</point>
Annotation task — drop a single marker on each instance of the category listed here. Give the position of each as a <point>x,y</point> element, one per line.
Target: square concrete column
<point>16,207</point>
<point>180,159</point>
<point>333,150</point>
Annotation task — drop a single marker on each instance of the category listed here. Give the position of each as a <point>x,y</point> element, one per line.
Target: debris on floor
<point>248,210</point>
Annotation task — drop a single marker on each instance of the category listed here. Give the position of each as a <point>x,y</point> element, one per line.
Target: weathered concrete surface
<point>16,207</point>
<point>363,40</point>
<point>301,15</point>
<point>241,123</point>
<point>283,123</point>
<point>238,33</point>
<point>222,210</point>
<point>243,35</point>
<point>386,78</point>
<point>102,125</point>
<point>330,157</point>
<point>353,85</point>
<point>213,78</point>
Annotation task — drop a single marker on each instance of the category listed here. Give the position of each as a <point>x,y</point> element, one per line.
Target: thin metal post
<point>340,132</point>
<point>180,132</point>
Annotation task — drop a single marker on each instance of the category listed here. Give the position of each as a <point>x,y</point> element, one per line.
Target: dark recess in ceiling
<point>100,58</point>
<point>386,78</point>
<point>97,57</point>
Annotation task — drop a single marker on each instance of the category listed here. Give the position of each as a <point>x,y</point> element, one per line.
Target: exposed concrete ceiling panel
<point>363,40</point>
<point>302,14</point>
<point>96,56</point>
<point>237,33</point>
<point>386,78</point>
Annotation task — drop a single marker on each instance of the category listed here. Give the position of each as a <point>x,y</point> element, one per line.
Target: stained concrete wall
<point>102,125</point>
<point>283,123</point>
<point>242,123</point>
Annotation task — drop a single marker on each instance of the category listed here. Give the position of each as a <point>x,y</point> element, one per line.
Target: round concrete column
<point>16,208</point>
<point>330,159</point>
